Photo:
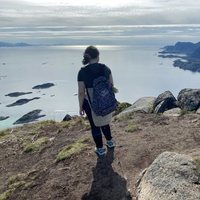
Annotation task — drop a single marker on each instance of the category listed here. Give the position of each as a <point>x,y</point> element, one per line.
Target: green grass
<point>123,117</point>
<point>5,133</point>
<point>6,194</point>
<point>71,149</point>
<point>13,179</point>
<point>197,161</point>
<point>39,126</point>
<point>121,107</point>
<point>130,128</point>
<point>14,182</point>
<point>36,145</point>
<point>185,112</point>
<point>79,122</point>
<point>45,124</point>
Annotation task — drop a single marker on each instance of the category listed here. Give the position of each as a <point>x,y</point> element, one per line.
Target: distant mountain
<point>195,54</point>
<point>191,59</point>
<point>182,47</point>
<point>20,44</point>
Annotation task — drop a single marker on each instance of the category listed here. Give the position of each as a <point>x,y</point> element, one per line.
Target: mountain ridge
<point>18,44</point>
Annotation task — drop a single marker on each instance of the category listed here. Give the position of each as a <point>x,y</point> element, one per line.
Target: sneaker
<point>110,143</point>
<point>100,151</point>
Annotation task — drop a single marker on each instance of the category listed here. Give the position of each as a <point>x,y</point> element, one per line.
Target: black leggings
<point>96,131</point>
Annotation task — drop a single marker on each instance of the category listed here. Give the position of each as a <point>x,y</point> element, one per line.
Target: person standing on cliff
<point>91,71</point>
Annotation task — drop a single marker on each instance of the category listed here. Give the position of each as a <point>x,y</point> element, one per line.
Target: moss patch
<point>36,145</point>
<point>72,149</point>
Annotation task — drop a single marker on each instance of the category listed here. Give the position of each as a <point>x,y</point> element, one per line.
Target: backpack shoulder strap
<point>84,70</point>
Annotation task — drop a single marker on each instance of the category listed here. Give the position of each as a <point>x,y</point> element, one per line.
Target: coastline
<point>145,77</point>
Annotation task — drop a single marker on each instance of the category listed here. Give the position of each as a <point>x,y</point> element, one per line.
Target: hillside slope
<point>34,168</point>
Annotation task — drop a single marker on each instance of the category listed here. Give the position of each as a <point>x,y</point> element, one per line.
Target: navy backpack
<point>103,101</point>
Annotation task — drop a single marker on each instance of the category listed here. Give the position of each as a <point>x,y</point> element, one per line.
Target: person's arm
<point>81,96</point>
<point>111,80</point>
<point>115,90</point>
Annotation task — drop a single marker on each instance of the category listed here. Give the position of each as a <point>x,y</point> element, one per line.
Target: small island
<point>21,102</point>
<point>43,86</point>
<point>29,117</point>
<point>187,54</point>
<point>17,94</point>
<point>2,118</point>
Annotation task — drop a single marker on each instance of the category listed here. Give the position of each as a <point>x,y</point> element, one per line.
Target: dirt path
<point>36,175</point>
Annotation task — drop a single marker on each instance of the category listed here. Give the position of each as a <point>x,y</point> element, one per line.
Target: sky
<point>97,12</point>
<point>24,17</point>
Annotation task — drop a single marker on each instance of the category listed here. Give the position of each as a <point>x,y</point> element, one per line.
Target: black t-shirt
<point>92,71</point>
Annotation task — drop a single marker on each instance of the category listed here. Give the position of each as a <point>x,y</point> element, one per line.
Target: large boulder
<point>198,111</point>
<point>189,99</point>
<point>171,176</point>
<point>144,105</point>
<point>164,101</point>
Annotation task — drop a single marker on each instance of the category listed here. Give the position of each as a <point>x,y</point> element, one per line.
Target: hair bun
<point>86,59</point>
<point>91,52</point>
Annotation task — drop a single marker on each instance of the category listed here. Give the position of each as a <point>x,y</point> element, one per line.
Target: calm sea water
<point>137,72</point>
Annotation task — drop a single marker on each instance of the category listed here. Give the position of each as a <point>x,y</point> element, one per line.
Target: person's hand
<point>115,90</point>
<point>81,112</point>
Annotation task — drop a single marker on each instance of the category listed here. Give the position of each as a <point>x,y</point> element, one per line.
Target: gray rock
<point>144,105</point>
<point>43,86</point>
<point>198,111</point>
<point>29,117</point>
<point>161,107</point>
<point>3,118</point>
<point>164,101</point>
<point>17,94</point>
<point>189,99</point>
<point>171,176</point>
<point>21,102</point>
<point>174,112</point>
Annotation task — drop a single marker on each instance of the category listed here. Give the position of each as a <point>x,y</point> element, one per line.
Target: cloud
<point>66,19</point>
<point>33,13</point>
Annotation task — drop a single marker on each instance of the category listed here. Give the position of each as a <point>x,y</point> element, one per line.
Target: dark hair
<point>91,52</point>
